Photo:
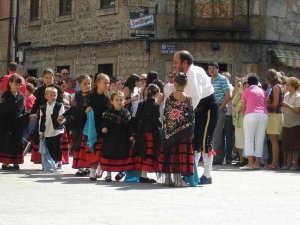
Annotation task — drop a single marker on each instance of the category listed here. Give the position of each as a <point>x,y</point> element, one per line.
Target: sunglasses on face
<point>65,73</point>
<point>171,77</point>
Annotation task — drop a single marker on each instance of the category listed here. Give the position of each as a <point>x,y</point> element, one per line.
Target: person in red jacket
<point>12,69</point>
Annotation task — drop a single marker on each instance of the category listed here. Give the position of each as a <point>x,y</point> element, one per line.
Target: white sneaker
<point>246,167</point>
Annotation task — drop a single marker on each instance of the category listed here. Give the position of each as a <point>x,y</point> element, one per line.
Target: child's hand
<point>41,136</point>
<point>33,117</point>
<point>131,138</point>
<point>60,119</point>
<point>104,130</point>
<point>88,109</point>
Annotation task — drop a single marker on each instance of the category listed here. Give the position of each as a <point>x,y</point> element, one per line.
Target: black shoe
<point>147,180</point>
<point>16,167</point>
<point>239,164</point>
<point>86,171</point>
<point>119,176</point>
<point>80,173</point>
<point>6,167</point>
<point>108,179</point>
<point>93,179</point>
<point>205,180</point>
<point>217,163</point>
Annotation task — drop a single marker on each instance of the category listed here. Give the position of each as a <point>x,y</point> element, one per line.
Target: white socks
<point>207,165</point>
<point>197,156</point>
<point>93,172</point>
<point>144,174</point>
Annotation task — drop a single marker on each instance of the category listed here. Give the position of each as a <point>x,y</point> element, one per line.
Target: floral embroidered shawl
<point>178,120</point>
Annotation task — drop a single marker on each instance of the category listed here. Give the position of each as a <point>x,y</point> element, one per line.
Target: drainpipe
<point>9,33</point>
<point>16,27</point>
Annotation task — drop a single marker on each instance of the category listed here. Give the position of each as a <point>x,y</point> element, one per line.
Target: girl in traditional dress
<point>77,113</point>
<point>117,127</point>
<point>13,120</point>
<point>147,142</point>
<point>176,157</point>
<point>100,103</point>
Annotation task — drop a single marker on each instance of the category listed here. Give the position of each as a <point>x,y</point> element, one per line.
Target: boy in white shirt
<point>50,128</point>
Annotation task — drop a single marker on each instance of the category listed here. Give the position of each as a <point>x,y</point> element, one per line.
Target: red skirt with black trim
<point>91,157</point>
<point>118,165</point>
<point>79,156</point>
<point>177,159</point>
<point>7,158</point>
<point>147,164</point>
<point>36,157</point>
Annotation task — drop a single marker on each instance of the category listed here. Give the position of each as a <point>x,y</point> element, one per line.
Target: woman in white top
<point>291,123</point>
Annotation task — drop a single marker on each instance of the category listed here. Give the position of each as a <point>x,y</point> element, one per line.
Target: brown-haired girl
<point>176,157</point>
<point>116,149</point>
<point>77,113</point>
<point>99,102</point>
<point>12,120</point>
<point>147,142</point>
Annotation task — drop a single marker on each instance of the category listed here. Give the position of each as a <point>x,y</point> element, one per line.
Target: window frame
<point>63,5</point>
<point>106,4</point>
<point>34,12</point>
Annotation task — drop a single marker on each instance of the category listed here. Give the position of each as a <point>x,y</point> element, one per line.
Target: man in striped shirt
<point>223,95</point>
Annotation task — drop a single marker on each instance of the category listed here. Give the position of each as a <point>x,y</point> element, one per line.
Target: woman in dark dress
<point>13,120</point>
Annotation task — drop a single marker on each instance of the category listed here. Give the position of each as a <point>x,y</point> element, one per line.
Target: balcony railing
<point>229,15</point>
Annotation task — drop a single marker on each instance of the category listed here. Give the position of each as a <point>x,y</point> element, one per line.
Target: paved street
<point>235,197</point>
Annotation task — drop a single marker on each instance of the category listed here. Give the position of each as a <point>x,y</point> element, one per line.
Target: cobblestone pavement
<point>235,197</point>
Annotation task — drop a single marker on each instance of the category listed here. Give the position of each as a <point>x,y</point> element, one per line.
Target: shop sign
<point>141,22</point>
<point>168,48</point>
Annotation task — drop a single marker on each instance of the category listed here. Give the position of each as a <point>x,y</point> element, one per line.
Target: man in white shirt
<point>200,89</point>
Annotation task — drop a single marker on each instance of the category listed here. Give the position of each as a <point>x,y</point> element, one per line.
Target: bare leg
<point>251,161</point>
<point>275,150</point>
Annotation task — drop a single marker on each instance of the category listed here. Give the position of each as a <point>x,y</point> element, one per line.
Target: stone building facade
<point>121,37</point>
<point>5,35</point>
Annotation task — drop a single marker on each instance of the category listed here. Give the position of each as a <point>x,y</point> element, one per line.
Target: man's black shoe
<point>205,180</point>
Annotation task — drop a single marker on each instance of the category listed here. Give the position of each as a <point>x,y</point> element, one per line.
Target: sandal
<point>272,167</point>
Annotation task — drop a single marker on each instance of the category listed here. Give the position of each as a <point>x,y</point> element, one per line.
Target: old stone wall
<point>127,58</point>
<point>91,36</point>
<point>4,28</point>
<point>283,20</point>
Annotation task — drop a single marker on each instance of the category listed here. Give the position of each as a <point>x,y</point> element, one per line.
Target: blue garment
<point>192,180</point>
<point>90,131</point>
<point>133,176</point>
<point>47,161</point>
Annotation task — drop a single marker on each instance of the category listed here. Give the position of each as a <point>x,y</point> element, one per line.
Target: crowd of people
<point>145,125</point>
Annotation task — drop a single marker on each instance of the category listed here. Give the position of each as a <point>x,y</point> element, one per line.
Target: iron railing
<point>229,15</point>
